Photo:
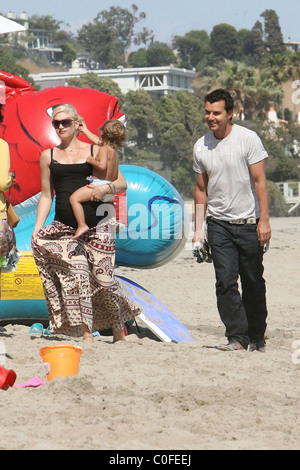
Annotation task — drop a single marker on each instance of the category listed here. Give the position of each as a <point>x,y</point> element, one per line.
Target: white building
<point>157,80</point>
<point>292,46</point>
<point>33,39</point>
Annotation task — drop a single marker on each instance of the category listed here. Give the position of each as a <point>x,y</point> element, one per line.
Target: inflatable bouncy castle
<point>157,222</point>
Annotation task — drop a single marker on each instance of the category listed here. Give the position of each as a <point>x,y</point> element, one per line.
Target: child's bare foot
<point>87,335</point>
<point>80,231</point>
<point>118,335</point>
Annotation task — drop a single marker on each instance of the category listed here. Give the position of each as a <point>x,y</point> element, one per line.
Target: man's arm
<point>257,171</point>
<point>200,200</point>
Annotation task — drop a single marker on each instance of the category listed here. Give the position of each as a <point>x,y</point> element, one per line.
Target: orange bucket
<point>61,361</point>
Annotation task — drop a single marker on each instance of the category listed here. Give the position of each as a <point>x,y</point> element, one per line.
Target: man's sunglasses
<point>63,122</point>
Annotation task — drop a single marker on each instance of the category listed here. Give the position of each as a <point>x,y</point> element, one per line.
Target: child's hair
<point>66,108</point>
<point>113,132</point>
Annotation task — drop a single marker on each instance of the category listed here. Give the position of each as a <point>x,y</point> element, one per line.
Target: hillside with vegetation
<point>253,64</point>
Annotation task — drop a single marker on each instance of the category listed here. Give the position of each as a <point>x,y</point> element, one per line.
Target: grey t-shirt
<point>231,193</point>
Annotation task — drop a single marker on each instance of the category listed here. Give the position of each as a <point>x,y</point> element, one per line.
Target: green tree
<point>257,48</point>
<point>277,205</point>
<point>100,41</point>
<point>294,61</point>
<point>278,66</point>
<point>91,80</point>
<point>8,64</point>
<point>192,47</point>
<point>224,42</point>
<point>181,117</point>
<point>286,169</point>
<point>109,38</point>
<point>138,38</point>
<point>138,58</point>
<point>68,44</point>
<point>272,32</point>
<point>69,53</point>
<point>142,118</point>
<point>46,22</point>
<point>245,41</point>
<point>160,54</point>
<point>280,166</point>
<point>253,89</point>
<point>284,66</point>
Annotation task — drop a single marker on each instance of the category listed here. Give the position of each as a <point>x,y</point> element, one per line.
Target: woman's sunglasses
<point>63,122</point>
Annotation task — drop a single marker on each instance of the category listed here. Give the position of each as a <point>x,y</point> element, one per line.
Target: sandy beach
<point>145,394</point>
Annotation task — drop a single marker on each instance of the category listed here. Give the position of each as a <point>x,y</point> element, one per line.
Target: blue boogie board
<point>155,314</point>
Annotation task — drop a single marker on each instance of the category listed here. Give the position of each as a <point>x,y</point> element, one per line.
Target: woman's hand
<point>98,191</point>
<point>90,160</point>
<point>82,126</point>
<point>34,234</point>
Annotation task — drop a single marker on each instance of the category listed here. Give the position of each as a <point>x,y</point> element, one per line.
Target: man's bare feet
<point>80,231</point>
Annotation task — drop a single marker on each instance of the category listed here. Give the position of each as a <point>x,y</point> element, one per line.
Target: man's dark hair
<point>218,95</point>
<point>1,117</point>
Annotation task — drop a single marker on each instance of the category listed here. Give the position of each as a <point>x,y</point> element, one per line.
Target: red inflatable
<point>27,124</point>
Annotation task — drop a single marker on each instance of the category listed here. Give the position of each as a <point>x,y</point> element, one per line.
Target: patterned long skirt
<point>78,279</point>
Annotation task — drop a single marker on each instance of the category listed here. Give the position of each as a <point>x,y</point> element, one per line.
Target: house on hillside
<point>38,40</point>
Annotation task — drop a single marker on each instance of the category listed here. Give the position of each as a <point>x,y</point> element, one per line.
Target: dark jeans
<point>236,252</point>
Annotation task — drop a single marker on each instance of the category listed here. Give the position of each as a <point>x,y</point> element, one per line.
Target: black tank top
<point>66,178</point>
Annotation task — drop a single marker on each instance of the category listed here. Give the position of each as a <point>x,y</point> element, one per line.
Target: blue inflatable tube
<point>157,221</point>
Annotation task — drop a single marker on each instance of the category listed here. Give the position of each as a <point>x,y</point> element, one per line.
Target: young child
<point>105,167</point>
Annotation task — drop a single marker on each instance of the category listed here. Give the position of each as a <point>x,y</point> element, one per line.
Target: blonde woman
<point>81,291</point>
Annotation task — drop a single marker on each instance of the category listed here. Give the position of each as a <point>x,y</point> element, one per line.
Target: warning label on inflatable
<point>24,282</point>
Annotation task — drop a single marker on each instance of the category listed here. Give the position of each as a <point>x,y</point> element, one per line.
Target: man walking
<point>231,191</point>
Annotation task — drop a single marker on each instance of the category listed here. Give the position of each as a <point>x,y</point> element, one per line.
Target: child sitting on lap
<point>105,167</point>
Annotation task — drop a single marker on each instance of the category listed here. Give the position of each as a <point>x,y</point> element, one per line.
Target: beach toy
<point>27,138</point>
<point>35,382</point>
<point>61,361</point>
<point>47,332</point>
<point>36,329</point>
<point>7,378</point>
<point>96,334</point>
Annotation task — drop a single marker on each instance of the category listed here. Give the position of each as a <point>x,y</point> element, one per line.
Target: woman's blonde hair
<point>113,132</point>
<point>66,108</point>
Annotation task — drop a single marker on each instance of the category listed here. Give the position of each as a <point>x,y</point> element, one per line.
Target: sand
<point>145,394</point>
